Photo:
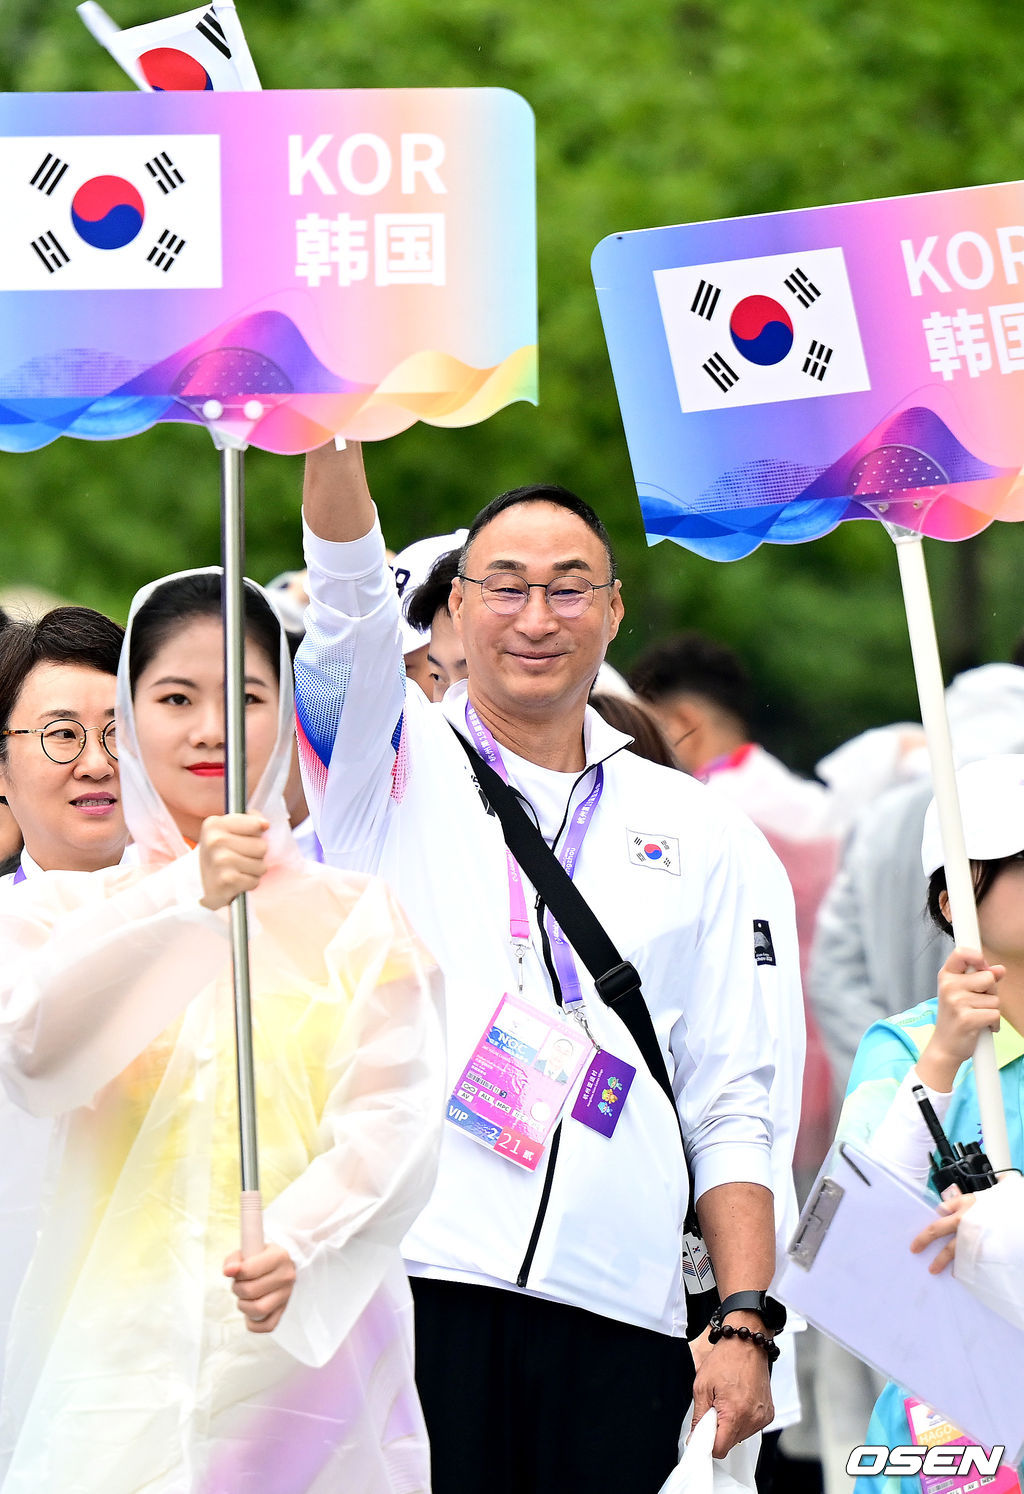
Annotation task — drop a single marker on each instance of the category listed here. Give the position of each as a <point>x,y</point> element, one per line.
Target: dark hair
<point>983,875</point>
<point>539,492</point>
<point>426,600</point>
<point>638,722</point>
<point>65,635</point>
<point>692,664</point>
<point>177,603</point>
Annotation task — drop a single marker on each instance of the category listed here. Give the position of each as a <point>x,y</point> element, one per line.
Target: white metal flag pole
<point>233,560</point>
<point>108,34</point>
<point>98,22</point>
<point>959,883</point>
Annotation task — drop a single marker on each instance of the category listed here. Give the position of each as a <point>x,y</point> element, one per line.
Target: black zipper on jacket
<point>523,1275</point>
<point>549,1177</point>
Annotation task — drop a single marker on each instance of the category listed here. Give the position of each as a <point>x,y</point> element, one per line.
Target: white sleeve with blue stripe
<point>350,696</point>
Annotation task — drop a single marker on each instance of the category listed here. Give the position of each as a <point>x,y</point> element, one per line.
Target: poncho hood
<point>150,823</point>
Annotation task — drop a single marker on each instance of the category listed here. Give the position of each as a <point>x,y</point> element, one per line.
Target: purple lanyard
<point>19,876</point>
<point>518,919</point>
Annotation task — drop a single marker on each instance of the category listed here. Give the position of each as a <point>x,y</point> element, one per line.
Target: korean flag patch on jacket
<point>657,852</point>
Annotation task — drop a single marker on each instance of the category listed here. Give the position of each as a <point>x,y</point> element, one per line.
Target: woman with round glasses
<point>58,773</point>
<point>11,842</point>
<point>58,750</point>
<point>65,738</point>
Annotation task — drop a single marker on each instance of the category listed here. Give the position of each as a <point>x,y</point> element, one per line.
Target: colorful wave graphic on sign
<point>254,371</point>
<point>910,471</point>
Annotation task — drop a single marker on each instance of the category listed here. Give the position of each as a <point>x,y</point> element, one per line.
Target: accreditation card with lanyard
<point>512,1092</point>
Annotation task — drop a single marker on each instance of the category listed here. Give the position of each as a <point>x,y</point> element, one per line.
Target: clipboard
<point>850,1272</point>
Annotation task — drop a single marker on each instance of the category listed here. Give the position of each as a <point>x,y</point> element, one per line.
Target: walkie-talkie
<point>964,1166</point>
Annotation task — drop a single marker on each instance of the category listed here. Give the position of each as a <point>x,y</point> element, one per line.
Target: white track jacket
<point>599,1225</point>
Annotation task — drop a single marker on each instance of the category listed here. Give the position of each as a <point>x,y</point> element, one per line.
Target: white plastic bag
<point>699,1473</point>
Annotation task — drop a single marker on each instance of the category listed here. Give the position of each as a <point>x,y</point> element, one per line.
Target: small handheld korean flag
<point>199,51</point>
<point>759,331</point>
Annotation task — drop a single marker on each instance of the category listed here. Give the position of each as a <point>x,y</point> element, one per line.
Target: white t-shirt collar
<point>600,740</point>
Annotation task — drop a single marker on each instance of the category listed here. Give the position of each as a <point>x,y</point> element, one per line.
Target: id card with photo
<point>515,1085</point>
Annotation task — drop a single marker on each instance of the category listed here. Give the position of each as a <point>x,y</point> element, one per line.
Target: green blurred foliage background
<point>665,112</point>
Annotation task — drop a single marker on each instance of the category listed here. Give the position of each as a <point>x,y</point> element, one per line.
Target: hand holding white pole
<point>959,884</point>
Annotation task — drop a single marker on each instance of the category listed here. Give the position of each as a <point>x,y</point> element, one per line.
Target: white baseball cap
<point>991,793</point>
<point>288,594</point>
<point>411,567</point>
<point>610,682</point>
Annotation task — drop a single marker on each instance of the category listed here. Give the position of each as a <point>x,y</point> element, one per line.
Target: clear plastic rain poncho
<point>129,1366</point>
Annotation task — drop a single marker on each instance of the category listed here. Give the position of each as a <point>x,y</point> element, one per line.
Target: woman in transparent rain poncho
<point>144,1356</point>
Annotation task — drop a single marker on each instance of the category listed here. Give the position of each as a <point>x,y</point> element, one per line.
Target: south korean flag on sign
<point>759,331</point>
<point>110,212</point>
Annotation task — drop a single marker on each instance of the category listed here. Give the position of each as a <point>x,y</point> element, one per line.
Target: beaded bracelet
<point>725,1330</point>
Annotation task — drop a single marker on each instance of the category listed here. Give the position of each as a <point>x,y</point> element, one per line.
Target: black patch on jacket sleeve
<point>764,949</point>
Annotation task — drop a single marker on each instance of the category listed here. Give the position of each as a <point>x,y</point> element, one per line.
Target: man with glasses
<point>58,775</point>
<point>547,1274</point>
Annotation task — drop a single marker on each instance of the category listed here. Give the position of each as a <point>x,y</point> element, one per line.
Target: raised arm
<point>349,678</point>
<point>336,501</point>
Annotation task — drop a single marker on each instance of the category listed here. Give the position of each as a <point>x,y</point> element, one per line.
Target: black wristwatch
<point>771,1312</point>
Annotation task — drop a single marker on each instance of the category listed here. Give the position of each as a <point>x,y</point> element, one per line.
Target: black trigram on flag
<point>48,174</point>
<point>817,360</point>
<point>51,251</point>
<point>164,172</point>
<point>165,251</point>
<point>803,287</point>
<point>705,300</point>
<point>716,368</point>
<point>211,28</point>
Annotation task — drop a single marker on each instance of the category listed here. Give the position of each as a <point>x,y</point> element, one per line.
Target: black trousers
<point>523,1396</point>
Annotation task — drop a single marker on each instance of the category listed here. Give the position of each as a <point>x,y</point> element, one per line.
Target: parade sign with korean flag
<point>303,264</point>
<point>780,374</point>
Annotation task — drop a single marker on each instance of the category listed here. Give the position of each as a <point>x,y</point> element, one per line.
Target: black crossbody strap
<point>617,981</point>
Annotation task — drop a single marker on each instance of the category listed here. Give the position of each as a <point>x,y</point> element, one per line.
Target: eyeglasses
<point>506,592</point>
<point>64,741</point>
